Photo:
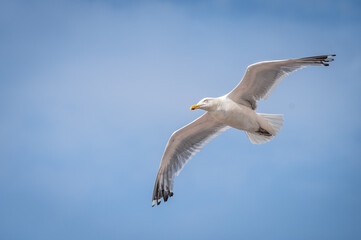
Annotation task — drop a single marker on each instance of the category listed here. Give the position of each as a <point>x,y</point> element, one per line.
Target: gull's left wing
<point>181,147</point>
<point>261,78</point>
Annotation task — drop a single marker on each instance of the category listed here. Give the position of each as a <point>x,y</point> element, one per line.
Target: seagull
<point>235,109</point>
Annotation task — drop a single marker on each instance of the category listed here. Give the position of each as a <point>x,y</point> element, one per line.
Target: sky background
<point>90,92</point>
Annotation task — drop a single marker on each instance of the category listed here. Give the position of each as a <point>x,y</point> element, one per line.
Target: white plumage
<point>236,109</point>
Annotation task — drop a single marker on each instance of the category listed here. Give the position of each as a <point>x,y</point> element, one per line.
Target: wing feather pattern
<point>262,78</point>
<point>181,147</point>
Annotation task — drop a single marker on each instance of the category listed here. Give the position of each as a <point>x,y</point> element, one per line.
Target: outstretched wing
<point>261,78</point>
<point>182,146</point>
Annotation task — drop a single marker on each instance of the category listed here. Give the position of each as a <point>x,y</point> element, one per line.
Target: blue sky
<point>90,92</point>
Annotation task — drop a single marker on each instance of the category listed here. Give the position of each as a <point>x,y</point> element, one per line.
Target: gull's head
<point>205,104</point>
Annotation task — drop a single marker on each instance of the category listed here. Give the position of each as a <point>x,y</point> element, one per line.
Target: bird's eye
<point>205,101</point>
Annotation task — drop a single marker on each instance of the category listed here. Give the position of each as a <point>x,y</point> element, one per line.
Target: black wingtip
<point>166,195</point>
<point>327,59</point>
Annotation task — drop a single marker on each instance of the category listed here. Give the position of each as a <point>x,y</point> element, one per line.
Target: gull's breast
<point>236,116</point>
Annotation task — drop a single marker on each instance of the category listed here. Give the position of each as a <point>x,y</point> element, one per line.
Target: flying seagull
<point>235,109</point>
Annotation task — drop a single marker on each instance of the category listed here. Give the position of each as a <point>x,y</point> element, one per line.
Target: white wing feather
<point>262,78</point>
<point>182,146</point>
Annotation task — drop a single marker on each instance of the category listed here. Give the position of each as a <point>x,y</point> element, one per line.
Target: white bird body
<point>235,109</point>
<point>236,115</point>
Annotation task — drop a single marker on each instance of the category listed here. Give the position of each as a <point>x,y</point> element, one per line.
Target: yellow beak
<point>194,107</point>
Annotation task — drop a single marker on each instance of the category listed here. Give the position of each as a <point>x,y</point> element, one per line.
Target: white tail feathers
<point>255,138</point>
<point>275,121</point>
